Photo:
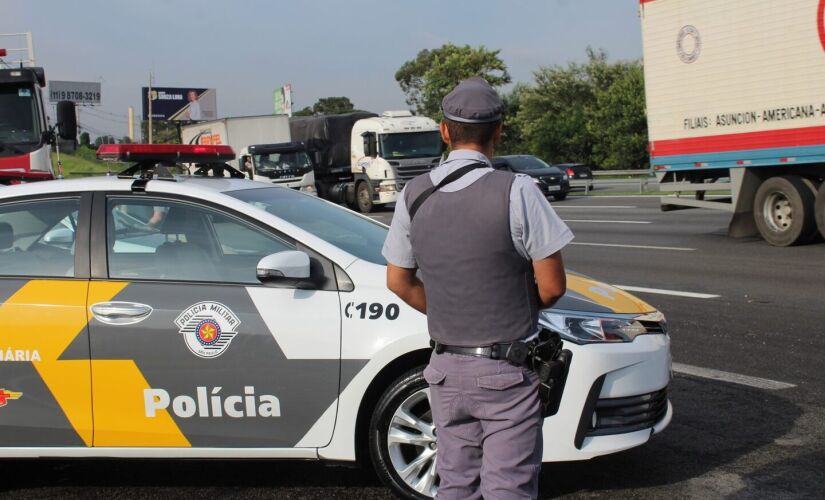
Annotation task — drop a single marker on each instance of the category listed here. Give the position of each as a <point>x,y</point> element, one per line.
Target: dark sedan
<point>552,181</point>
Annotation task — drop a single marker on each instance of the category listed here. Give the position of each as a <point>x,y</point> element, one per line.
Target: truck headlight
<point>583,328</point>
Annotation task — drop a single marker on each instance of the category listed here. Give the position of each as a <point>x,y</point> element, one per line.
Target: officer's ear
<point>445,133</point>
<point>497,134</point>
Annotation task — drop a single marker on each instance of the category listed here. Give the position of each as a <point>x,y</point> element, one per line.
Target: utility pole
<point>131,124</point>
<point>149,98</point>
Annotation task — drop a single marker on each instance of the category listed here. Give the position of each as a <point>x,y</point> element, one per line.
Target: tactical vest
<point>480,291</point>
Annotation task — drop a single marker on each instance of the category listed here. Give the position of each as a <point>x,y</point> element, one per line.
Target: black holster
<point>551,363</point>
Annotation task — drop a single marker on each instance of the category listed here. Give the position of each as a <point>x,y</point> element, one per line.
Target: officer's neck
<point>486,150</point>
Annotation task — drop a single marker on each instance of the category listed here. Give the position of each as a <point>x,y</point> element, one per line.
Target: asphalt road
<point>753,310</point>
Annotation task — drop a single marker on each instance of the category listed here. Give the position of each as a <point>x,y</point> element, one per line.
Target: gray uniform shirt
<point>536,229</point>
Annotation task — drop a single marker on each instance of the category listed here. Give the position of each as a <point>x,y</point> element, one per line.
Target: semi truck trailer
<point>363,159</point>
<point>736,104</point>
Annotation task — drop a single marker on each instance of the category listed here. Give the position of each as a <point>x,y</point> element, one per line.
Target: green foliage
<point>104,139</point>
<point>163,132</point>
<point>306,111</point>
<point>84,139</point>
<point>332,105</point>
<point>327,106</point>
<point>591,113</point>
<point>76,165</point>
<point>434,73</point>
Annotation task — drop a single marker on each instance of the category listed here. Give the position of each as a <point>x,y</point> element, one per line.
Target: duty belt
<point>514,352</point>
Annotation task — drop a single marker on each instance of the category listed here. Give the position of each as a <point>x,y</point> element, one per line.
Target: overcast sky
<point>245,49</point>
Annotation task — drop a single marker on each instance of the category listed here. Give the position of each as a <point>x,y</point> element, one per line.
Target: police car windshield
<point>352,233</point>
<point>18,117</point>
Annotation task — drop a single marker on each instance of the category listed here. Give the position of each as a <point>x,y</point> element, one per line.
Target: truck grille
<point>408,172</point>
<point>620,415</point>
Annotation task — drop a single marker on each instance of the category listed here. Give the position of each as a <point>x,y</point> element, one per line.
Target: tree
<point>104,139</point>
<point>85,140</point>
<point>589,113</point>
<point>434,73</point>
<point>305,111</point>
<point>163,132</point>
<point>332,106</point>
<point>125,140</point>
<point>618,122</point>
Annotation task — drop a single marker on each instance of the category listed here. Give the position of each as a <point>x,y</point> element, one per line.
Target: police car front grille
<point>621,415</point>
<point>550,181</point>
<point>408,172</point>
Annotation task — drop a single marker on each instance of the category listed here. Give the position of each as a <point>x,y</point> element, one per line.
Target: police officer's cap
<point>473,101</point>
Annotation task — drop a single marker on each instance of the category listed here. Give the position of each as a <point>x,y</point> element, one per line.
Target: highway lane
<point>726,439</point>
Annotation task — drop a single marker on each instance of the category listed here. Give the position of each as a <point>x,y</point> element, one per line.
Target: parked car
<point>212,316</point>
<point>552,181</point>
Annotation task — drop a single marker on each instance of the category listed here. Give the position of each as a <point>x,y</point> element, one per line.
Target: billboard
<point>282,98</point>
<point>180,103</point>
<point>77,92</point>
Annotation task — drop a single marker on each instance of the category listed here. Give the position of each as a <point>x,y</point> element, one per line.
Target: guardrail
<point>606,173</point>
<point>640,183</point>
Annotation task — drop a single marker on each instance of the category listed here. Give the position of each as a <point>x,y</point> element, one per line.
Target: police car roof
<point>180,185</point>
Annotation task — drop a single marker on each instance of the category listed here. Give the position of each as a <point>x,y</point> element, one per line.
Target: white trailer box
<point>239,132</point>
<point>735,102</point>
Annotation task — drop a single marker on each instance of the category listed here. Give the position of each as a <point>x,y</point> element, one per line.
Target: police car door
<point>45,388</point>
<point>189,349</point>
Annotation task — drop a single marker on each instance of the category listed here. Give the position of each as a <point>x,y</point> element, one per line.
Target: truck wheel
<point>402,438</point>
<point>819,208</point>
<point>363,197</point>
<point>783,210</point>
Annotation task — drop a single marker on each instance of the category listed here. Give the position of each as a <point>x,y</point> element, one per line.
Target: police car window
<point>352,233</point>
<point>166,240</point>
<point>38,238</point>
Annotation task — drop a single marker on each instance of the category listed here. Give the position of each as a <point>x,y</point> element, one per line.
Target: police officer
<point>486,245</point>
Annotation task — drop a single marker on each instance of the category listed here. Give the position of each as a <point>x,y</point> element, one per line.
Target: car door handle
<point>120,313</point>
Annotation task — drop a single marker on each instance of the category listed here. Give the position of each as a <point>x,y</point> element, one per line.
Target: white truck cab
<point>388,151</point>
<point>285,164</point>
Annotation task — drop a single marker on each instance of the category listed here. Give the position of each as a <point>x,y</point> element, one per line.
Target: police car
<point>209,316</point>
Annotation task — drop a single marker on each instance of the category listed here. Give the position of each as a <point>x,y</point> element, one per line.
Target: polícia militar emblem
<point>207,328</point>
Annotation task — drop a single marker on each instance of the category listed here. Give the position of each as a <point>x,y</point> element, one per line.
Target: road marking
<point>609,221</point>
<point>675,293</point>
<point>646,247</point>
<point>733,378</point>
<point>556,207</point>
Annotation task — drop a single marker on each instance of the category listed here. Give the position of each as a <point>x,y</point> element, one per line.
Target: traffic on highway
<point>213,291</point>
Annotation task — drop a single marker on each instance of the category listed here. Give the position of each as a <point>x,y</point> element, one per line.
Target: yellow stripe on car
<point>608,296</point>
<point>118,385</point>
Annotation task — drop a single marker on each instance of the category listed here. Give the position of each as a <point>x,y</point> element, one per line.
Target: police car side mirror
<point>288,268</point>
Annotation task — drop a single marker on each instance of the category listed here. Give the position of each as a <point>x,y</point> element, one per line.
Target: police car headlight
<point>536,180</point>
<point>564,177</point>
<point>585,329</point>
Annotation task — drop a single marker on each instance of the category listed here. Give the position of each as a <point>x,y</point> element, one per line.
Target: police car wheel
<point>402,437</point>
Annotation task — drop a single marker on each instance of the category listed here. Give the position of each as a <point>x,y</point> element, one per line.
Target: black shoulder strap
<point>452,177</point>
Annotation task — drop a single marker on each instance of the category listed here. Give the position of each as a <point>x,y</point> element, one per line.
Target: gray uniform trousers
<point>488,421</point>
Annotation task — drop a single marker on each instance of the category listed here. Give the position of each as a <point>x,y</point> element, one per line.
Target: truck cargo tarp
<point>328,137</point>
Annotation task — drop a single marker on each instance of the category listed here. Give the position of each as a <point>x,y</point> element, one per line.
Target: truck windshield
<point>352,233</point>
<point>281,165</point>
<point>18,115</point>
<point>411,145</point>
